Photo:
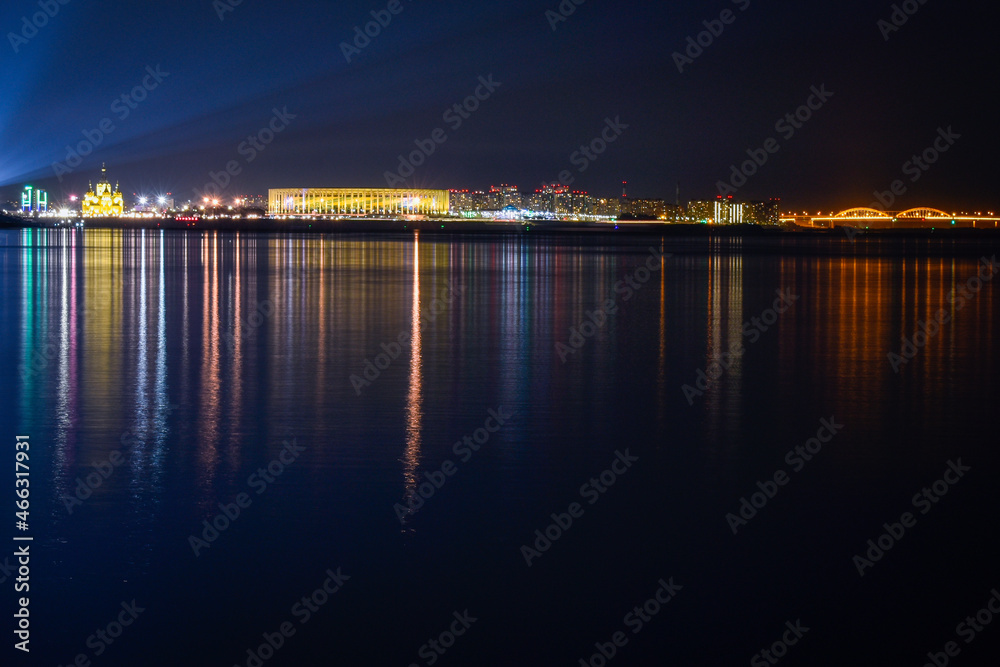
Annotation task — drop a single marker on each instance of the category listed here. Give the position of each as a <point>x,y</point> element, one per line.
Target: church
<point>104,202</point>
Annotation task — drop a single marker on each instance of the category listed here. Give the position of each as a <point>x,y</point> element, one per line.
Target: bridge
<point>919,218</point>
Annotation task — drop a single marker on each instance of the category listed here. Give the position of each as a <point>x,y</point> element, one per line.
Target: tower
<point>103,201</point>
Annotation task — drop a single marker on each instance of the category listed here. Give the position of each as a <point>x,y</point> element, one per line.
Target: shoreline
<point>449,226</point>
<point>463,225</point>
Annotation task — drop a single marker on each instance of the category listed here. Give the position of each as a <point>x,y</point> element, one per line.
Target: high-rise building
<point>459,201</point>
<point>728,212</point>
<point>762,212</point>
<point>649,209</point>
<point>755,212</point>
<point>34,200</point>
<point>606,208</point>
<point>772,211</point>
<point>551,198</point>
<point>503,196</point>
<point>470,203</point>
<point>701,211</point>
<point>580,203</point>
<point>725,211</point>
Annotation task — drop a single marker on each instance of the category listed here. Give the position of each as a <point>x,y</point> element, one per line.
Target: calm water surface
<point>199,369</point>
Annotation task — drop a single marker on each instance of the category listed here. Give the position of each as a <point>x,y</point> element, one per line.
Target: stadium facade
<point>357,201</point>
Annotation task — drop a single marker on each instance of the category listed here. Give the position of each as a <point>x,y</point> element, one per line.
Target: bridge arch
<point>924,213</point>
<point>862,212</point>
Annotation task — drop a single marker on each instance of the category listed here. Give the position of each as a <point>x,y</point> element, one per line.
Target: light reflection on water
<point>140,319</point>
<point>197,355</point>
<point>414,395</point>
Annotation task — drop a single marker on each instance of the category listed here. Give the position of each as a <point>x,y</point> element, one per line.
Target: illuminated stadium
<point>349,201</point>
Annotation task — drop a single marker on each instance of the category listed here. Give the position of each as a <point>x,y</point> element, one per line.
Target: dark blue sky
<point>608,59</point>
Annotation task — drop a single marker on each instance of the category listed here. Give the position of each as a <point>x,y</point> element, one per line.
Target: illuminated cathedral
<point>103,202</point>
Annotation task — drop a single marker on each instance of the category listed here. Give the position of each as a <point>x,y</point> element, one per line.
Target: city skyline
<point>452,98</point>
<point>502,201</point>
<point>534,333</point>
<point>506,203</point>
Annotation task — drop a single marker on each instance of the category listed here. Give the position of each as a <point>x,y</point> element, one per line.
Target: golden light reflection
<point>414,397</point>
<point>725,334</point>
<point>103,303</point>
<point>319,252</point>
<point>141,362</point>
<point>235,342</point>
<point>208,399</point>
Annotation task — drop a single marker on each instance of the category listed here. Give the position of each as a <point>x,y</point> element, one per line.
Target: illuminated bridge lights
<point>914,217</point>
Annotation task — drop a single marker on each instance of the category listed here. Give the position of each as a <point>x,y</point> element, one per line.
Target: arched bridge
<point>921,217</point>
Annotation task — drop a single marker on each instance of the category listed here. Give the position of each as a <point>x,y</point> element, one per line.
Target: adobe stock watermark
<point>588,153</point>
<point>786,126</point>
<point>223,7</point>
<point>591,491</point>
<point>796,458</point>
<point>926,331</point>
<point>975,284</point>
<point>22,585</point>
<point>40,359</point>
<point>37,21</point>
<point>363,37</point>
<point>303,611</point>
<point>248,149</point>
<point>85,486</point>
<point>230,512</point>
<point>967,629</point>
<point>596,319</point>
<point>916,167</point>
<point>435,648</point>
<point>7,570</point>
<point>103,469</point>
<point>753,329</point>
<point>562,13</point>
<point>898,17</point>
<point>924,501</point>
<point>779,649</point>
<point>464,449</point>
<point>122,107</point>
<point>635,620</point>
<point>852,232</point>
<point>106,636</point>
<point>713,30</point>
<point>454,116</point>
<point>390,351</point>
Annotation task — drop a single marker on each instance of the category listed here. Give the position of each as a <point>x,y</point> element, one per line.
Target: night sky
<point>222,78</point>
